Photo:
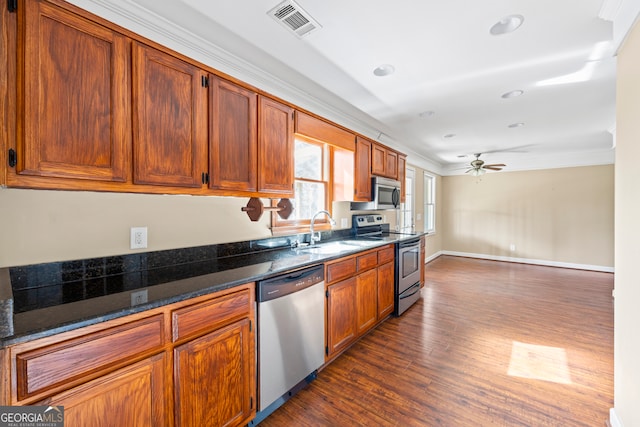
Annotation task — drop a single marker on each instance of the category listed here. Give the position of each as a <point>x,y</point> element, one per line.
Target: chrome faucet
<point>316,238</point>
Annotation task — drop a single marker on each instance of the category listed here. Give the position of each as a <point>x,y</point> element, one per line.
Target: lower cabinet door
<point>131,396</point>
<point>214,378</point>
<point>367,300</point>
<point>342,320</point>
<point>385,289</point>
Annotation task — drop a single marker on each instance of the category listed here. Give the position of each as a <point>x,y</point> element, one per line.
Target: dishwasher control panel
<point>288,283</point>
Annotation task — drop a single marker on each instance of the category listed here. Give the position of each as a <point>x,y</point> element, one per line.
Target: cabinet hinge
<point>326,293</point>
<point>250,325</point>
<point>13,158</point>
<point>251,402</point>
<point>12,5</point>
<point>326,350</point>
<point>205,81</point>
<point>205,177</point>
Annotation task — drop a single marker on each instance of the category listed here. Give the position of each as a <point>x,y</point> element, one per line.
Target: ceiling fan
<point>479,168</point>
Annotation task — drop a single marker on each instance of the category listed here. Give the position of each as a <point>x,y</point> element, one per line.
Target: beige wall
<point>627,234</point>
<point>557,215</point>
<point>433,241</point>
<point>44,226</point>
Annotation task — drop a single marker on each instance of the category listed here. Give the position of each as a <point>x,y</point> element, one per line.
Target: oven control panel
<point>367,220</point>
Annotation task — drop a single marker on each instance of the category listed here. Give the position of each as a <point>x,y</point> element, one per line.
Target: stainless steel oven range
<point>407,265</point>
<point>407,274</point>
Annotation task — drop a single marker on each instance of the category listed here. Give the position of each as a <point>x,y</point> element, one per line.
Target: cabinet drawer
<point>367,261</point>
<point>341,270</point>
<point>50,366</point>
<point>385,255</point>
<point>202,317</point>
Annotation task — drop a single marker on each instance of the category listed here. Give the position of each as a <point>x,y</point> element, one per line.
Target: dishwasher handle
<point>289,283</point>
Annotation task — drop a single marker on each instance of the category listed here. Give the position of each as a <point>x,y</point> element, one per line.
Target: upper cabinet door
<point>384,162</point>
<point>362,179</point>
<point>391,165</point>
<point>378,160</point>
<point>169,120</point>
<point>275,148</point>
<point>73,100</point>
<point>233,124</point>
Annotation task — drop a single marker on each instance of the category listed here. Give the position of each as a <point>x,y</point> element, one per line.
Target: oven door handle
<point>409,243</point>
<point>417,286</point>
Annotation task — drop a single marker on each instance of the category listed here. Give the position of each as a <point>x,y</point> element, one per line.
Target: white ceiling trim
<point>623,14</point>
<point>560,160</point>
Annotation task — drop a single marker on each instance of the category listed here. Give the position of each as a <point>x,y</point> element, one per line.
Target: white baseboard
<point>613,418</point>
<point>531,261</point>
<point>432,257</point>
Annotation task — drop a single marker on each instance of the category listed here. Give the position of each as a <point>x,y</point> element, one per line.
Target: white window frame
<point>429,203</point>
<point>410,195</point>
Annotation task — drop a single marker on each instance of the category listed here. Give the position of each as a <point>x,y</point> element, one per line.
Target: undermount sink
<point>330,248</point>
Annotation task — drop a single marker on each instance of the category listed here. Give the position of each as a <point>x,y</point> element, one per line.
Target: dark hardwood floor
<point>489,344</point>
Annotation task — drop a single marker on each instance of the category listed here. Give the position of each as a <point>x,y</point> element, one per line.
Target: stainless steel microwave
<point>385,195</point>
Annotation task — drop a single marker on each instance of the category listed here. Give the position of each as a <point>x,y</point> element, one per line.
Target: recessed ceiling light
<point>384,70</point>
<point>449,136</point>
<point>507,24</point>
<point>426,114</point>
<point>516,125</point>
<point>512,94</point>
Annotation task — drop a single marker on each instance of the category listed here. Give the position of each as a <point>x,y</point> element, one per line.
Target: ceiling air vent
<point>294,18</point>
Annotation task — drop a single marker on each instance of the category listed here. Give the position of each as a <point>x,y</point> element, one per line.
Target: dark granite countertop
<point>57,297</point>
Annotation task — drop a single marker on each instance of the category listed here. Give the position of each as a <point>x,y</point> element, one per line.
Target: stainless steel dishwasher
<point>290,335</point>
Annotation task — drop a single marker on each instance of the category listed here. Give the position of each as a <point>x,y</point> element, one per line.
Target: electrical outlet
<point>344,223</point>
<point>138,237</point>
<point>139,297</point>
<point>512,247</point>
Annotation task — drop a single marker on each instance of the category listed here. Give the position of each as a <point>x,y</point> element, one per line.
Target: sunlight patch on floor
<point>539,362</point>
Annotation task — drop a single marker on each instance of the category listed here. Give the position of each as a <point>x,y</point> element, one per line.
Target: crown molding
<point>624,14</point>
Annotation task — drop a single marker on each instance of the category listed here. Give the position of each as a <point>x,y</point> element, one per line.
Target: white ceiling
<point>445,60</point>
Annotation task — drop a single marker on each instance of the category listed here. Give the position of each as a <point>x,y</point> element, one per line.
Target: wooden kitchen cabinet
<point>275,148</point>
<point>384,162</point>
<point>132,396</point>
<point>367,300</point>
<point>386,281</point>
<point>190,363</point>
<point>360,294</point>
<point>423,255</point>
<point>233,136</point>
<point>169,120</point>
<point>73,114</point>
<point>215,378</point>
<point>342,318</point>
<point>362,179</point>
<point>214,360</point>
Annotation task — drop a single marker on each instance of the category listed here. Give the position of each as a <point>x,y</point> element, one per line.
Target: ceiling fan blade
<point>500,165</point>
<point>493,168</point>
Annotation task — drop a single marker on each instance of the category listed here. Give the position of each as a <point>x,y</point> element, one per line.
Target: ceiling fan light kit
<point>478,167</point>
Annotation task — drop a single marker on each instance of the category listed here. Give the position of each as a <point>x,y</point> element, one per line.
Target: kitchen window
<point>429,203</point>
<point>311,186</point>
